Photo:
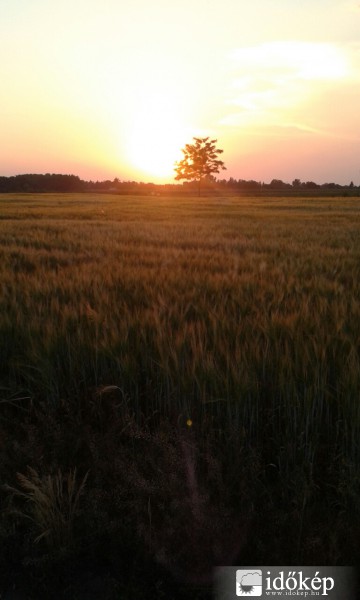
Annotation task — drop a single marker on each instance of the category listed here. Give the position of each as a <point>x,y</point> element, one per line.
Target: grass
<point>52,504</point>
<point>125,319</point>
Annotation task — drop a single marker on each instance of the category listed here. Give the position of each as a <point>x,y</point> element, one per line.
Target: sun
<point>156,136</point>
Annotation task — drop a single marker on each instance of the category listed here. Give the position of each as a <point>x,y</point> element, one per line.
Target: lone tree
<point>200,161</point>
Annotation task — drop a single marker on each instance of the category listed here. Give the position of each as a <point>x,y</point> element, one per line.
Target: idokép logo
<point>248,583</point>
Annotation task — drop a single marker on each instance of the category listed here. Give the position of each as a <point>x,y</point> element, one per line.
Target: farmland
<point>190,369</point>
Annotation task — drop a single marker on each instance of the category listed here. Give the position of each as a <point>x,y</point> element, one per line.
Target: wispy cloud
<point>271,80</point>
<point>351,6</point>
<point>278,129</point>
<point>293,59</point>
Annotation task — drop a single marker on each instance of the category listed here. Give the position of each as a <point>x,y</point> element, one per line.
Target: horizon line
<point>175,183</point>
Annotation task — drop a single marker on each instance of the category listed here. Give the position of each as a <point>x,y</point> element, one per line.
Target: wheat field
<point>230,322</point>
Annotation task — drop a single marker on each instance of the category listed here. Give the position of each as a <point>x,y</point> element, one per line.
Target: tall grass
<point>51,503</point>
<point>239,314</point>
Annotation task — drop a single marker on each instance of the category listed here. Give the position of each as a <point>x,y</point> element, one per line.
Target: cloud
<point>294,59</point>
<point>351,6</point>
<point>251,579</point>
<point>272,80</point>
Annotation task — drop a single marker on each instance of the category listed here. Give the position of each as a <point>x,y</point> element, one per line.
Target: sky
<point>113,88</point>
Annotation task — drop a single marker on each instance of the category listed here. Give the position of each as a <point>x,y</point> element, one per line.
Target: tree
<point>200,161</point>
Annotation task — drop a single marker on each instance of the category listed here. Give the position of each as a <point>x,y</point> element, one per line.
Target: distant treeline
<point>34,183</point>
<point>42,183</point>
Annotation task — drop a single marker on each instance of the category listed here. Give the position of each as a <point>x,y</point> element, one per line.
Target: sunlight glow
<point>156,135</point>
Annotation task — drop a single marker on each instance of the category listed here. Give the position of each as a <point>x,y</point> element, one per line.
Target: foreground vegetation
<point>179,389</point>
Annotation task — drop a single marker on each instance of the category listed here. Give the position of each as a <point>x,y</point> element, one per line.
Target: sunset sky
<point>112,88</point>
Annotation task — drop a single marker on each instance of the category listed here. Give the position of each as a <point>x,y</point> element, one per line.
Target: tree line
<point>52,183</point>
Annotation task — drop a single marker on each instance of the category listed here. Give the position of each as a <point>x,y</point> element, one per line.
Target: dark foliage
<point>52,183</point>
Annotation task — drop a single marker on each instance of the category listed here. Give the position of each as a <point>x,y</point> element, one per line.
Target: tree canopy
<point>201,160</point>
